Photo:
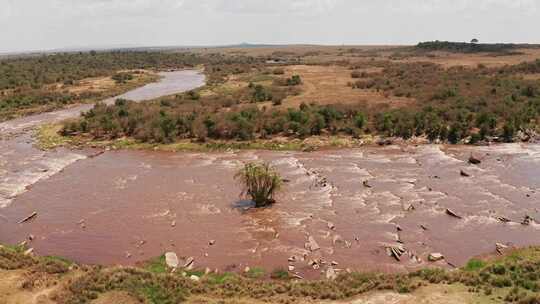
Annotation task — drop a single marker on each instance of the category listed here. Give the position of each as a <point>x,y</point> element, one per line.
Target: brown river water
<point>123,207</point>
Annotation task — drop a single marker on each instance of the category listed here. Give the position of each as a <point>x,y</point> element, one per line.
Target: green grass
<point>280,274</point>
<point>219,278</point>
<point>255,273</point>
<point>474,265</point>
<point>156,265</point>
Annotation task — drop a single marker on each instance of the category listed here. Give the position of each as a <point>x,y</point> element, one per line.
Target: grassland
<point>512,278</point>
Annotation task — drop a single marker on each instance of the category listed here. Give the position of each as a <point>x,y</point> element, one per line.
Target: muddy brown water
<point>124,207</point>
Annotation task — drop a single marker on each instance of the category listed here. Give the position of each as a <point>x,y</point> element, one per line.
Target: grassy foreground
<point>514,278</point>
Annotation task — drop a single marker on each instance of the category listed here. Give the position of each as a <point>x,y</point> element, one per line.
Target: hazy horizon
<point>30,25</point>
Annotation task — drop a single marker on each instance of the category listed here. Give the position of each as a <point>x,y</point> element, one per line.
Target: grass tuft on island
<point>514,277</point>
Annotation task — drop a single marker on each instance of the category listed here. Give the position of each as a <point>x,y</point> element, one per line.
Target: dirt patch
<point>115,297</point>
<point>330,85</point>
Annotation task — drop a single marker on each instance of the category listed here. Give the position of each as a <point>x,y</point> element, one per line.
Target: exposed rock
<point>501,248</point>
<point>128,255</point>
<point>173,224</point>
<point>395,251</point>
<point>334,263</point>
<point>189,263</point>
<point>207,270</point>
<point>247,269</point>
<point>194,278</point>
<point>28,218</point>
<point>504,219</point>
<point>291,268</point>
<point>31,237</point>
<point>292,259</point>
<point>331,226</point>
<point>171,259</point>
<point>527,220</point>
<point>409,207</point>
<point>434,257</point>
<point>366,184</point>
<point>312,245</point>
<point>473,160</point>
<point>29,251</point>
<point>424,227</point>
<point>453,214</point>
<point>212,242</point>
<point>464,174</point>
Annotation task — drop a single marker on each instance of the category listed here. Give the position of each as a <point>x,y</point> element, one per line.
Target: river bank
<point>49,280</point>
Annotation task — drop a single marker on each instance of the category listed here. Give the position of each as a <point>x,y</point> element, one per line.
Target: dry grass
<point>358,53</point>
<point>325,85</point>
<point>447,59</point>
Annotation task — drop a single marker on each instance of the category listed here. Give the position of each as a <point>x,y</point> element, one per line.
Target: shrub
<point>260,182</point>
<point>294,80</point>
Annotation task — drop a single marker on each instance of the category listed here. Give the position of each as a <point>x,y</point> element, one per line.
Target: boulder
<point>473,160</point>
<point>501,248</point>
<point>312,245</point>
<point>434,257</point>
<point>395,251</point>
<point>29,251</point>
<point>527,220</point>
<point>464,174</point>
<point>194,278</point>
<point>171,259</point>
<point>453,214</point>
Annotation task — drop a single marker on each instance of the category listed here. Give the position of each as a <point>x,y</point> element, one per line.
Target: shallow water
<point>128,201</point>
<point>22,165</point>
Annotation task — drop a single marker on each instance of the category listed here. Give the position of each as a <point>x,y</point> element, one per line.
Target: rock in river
<point>171,259</point>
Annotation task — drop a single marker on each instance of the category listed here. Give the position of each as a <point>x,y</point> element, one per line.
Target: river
<point>124,207</point>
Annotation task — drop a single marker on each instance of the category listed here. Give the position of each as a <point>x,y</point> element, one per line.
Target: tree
<point>260,182</point>
<point>475,41</point>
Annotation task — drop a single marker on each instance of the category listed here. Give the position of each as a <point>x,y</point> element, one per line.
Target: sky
<point>29,25</point>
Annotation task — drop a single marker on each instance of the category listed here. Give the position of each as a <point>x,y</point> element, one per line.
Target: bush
<point>294,80</point>
<point>260,182</point>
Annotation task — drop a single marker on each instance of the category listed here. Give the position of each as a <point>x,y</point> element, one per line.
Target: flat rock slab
<point>171,259</point>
